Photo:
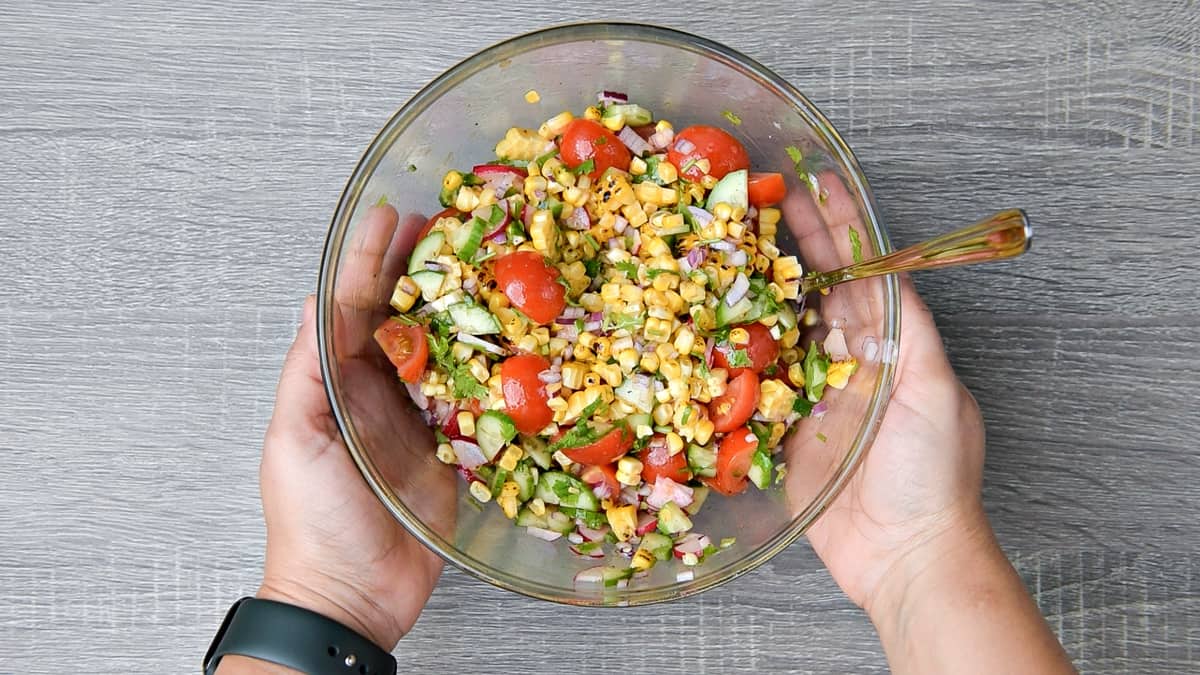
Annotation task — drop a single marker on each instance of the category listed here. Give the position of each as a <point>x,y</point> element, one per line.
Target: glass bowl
<point>456,121</point>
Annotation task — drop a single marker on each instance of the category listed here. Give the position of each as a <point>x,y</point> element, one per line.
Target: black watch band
<point>296,638</point>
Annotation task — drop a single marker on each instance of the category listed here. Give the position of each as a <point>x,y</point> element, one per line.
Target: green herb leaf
<point>732,117</point>
<point>630,269</point>
<point>738,358</point>
<point>601,140</point>
<point>794,152</point>
<point>816,368</point>
<point>382,200</point>
<point>542,159</point>
<point>471,180</point>
<point>803,406</point>
<point>587,236</point>
<point>411,168</point>
<point>855,245</point>
<point>592,267</point>
<point>586,167</point>
<point>627,321</point>
<point>583,432</point>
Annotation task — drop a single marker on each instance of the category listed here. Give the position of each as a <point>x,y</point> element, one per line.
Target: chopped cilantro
<point>732,117</point>
<point>794,153</point>
<point>803,406</point>
<point>463,382</point>
<point>626,321</point>
<point>542,159</point>
<point>822,437</point>
<point>687,415</point>
<point>630,269</point>
<point>583,432</point>
<point>587,236</point>
<point>816,367</point>
<point>651,274</point>
<point>382,200</point>
<point>472,180</point>
<point>585,167</point>
<point>411,168</point>
<point>601,140</point>
<point>592,266</point>
<point>855,245</point>
<point>738,358</point>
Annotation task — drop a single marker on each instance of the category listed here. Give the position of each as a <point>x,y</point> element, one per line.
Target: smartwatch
<point>296,638</point>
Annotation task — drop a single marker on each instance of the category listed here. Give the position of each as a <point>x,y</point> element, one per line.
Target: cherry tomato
<point>405,346</point>
<point>451,428</point>
<point>766,189</point>
<point>616,442</point>
<point>731,409</point>
<point>531,285</point>
<point>585,139</point>
<point>447,213</point>
<point>524,394</point>
<point>603,479</point>
<point>734,456</point>
<point>657,460</point>
<point>489,171</point>
<point>762,350</point>
<point>723,152</point>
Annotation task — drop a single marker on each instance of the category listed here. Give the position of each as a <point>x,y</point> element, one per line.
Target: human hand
<point>331,545</point>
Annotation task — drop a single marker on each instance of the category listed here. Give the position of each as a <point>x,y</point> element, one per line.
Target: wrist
<point>334,599</point>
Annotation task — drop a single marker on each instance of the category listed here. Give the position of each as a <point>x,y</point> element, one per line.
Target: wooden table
<point>168,171</point>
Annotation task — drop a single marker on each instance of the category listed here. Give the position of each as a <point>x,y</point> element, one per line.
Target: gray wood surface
<point>167,172</point>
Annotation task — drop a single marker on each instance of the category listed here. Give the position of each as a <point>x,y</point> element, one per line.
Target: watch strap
<point>297,638</point>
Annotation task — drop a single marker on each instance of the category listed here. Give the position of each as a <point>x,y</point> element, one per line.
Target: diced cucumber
<point>537,451</point>
<point>493,430</point>
<point>559,522</point>
<point>787,316</point>
<point>593,519</point>
<point>498,479</point>
<point>452,298</point>
<point>658,544</point>
<point>525,476</point>
<point>465,240</point>
<point>527,518</point>
<point>641,398</point>
<point>631,114</point>
<point>556,487</point>
<point>758,307</point>
<point>760,469</point>
<point>702,460</point>
<point>672,519</point>
<point>732,189</point>
<point>699,494</point>
<point>425,250</point>
<point>638,419</point>
<point>473,319</point>
<point>429,282</point>
<point>727,315</point>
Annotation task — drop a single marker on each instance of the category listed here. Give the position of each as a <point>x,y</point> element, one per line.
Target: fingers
<point>921,350</point>
<point>301,414</point>
<point>360,283</point>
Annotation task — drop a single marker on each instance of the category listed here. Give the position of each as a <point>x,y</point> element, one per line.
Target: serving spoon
<point>1004,235</point>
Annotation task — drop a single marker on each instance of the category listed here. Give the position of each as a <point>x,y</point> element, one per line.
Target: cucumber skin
<point>585,499</point>
<point>732,189</point>
<point>425,249</point>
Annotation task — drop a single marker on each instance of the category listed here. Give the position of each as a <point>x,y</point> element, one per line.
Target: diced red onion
<point>480,343</point>
<point>550,376</point>
<point>659,140</point>
<point>543,533</point>
<point>568,332</point>
<point>575,538</point>
<point>436,266</point>
<point>702,217</point>
<point>870,348</point>
<point>693,543</point>
<point>776,332</point>
<point>636,144</point>
<point>737,290</point>
<point>708,352</point>
<point>646,523</point>
<point>645,489</point>
<point>592,575</point>
<point>614,243</point>
<point>596,316</point>
<point>695,257</point>
<point>469,454</point>
<point>724,245</point>
<point>629,495</point>
<point>683,146</point>
<point>666,490</point>
<point>501,183</point>
<point>620,224</point>
<point>820,409</point>
<point>607,97</point>
<point>578,220</point>
<point>592,326</point>
<point>637,242</point>
<point>571,313</point>
<point>835,345</point>
<point>418,399</point>
<point>596,552</point>
<point>737,258</point>
<point>590,534</point>
<point>442,411</point>
<point>500,237</point>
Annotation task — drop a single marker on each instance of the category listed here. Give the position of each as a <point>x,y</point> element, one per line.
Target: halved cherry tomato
<point>405,346</point>
<point>766,189</point>
<point>488,171</point>
<point>734,456</point>
<point>616,442</point>
<point>731,409</point>
<point>585,139</point>
<point>723,152</point>
<point>762,350</point>
<point>657,460</point>
<point>531,285</point>
<point>451,428</point>
<point>601,475</point>
<point>447,213</point>
<point>524,393</point>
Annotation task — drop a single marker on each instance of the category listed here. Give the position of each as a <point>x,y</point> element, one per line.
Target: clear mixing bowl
<point>455,122</point>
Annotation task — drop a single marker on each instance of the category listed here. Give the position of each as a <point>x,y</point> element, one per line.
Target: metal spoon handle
<point>1005,235</point>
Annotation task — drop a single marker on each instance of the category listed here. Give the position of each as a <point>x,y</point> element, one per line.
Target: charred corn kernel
<point>718,229</point>
<point>665,351</point>
<point>600,391</point>
<point>736,230</point>
<point>591,302</point>
<point>508,505</point>
<point>592,113</point>
<point>787,274</point>
<point>627,359</point>
<point>528,343</point>
<point>737,214</point>
<point>678,389</point>
<point>642,560</point>
<point>535,184</point>
<point>685,340</point>
<point>795,373</point>
<point>635,214</point>
<point>496,301</point>
<point>768,248</point>
<point>691,292</point>
<point>739,336</point>
<point>674,442</point>
<point>591,379</point>
<point>478,370</point>
<point>582,353</point>
<point>532,96</point>
<point>657,329</point>
<point>541,334</point>
<point>622,520</point>
<point>769,320</point>
<point>555,125</point>
<point>564,177</point>
<point>789,338</point>
<point>575,196</point>
<point>662,413</point>
<point>637,166</point>
<point>510,488</point>
<point>603,348</point>
<point>610,293</point>
<point>480,492</point>
<point>466,200</point>
<point>586,339</point>
<point>445,454</point>
<point>609,372</point>
<point>654,246</point>
<point>722,211</point>
<point>549,169</point>
<point>840,372</point>
<point>404,294</point>
<point>703,432</point>
<point>572,375</point>
<point>790,355</point>
<point>466,422</point>
<point>716,381</point>
<point>542,232</point>
<point>670,369</point>
<point>667,172</point>
<point>537,506</point>
<point>556,403</point>
<point>452,180</point>
<point>775,400</point>
<point>508,460</point>
<point>777,431</point>
<point>649,362</point>
<point>631,293</point>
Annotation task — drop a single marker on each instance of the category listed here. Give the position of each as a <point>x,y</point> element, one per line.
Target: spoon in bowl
<point>1004,235</point>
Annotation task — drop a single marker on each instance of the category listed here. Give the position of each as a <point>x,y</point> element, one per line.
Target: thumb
<point>302,413</point>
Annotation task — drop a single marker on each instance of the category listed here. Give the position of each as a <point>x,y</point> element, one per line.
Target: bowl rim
<point>374,154</point>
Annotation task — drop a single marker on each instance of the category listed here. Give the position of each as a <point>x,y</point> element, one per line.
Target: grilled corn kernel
<point>445,454</point>
<point>575,196</point>
<point>649,362</point>
<point>718,229</point>
<point>737,214</point>
<point>512,455</point>
<point>670,369</point>
<point>555,125</point>
<point>775,400</point>
<point>466,423</point>
<point>795,373</point>
<point>603,348</point>
<point>535,184</point>
<point>736,230</point>
<point>572,375</point>
<point>769,250</point>
<point>592,113</point>
<point>532,96</point>
<point>509,506</point>
<point>840,372</point>
<point>528,343</point>
<point>678,389</point>
<point>542,334</point>
<point>667,172</point>
<point>629,465</point>
<point>480,492</point>
<point>478,370</point>
<point>627,359</point>
<point>591,380</point>
<point>637,166</point>
<point>642,560</point>
<point>789,355</point>
<point>685,340</point>
<point>788,274</point>
<point>405,294</point>
<point>722,211</point>
<point>703,431</point>
<point>662,413</point>
<point>466,200</point>
<point>609,372</point>
<point>789,338</point>
<point>537,506</point>
<point>739,336</point>
<point>643,431</point>
<point>674,442</point>
<point>557,404</point>
<point>510,488</point>
<point>623,521</point>
<point>769,216</point>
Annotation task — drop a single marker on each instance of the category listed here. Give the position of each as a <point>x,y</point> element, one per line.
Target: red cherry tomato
<point>657,460</point>
<point>489,171</point>
<point>585,139</point>
<point>607,449</point>
<point>723,152</point>
<point>731,409</point>
<point>734,456</point>
<point>524,393</point>
<point>603,479</point>
<point>447,213</point>
<point>531,285</point>
<point>451,428</point>
<point>762,350</point>
<point>405,346</point>
<point>766,189</point>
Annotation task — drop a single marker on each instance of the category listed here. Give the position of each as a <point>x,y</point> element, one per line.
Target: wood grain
<point>169,172</point>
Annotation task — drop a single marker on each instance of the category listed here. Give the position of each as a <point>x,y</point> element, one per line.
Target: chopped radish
<point>543,533</point>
